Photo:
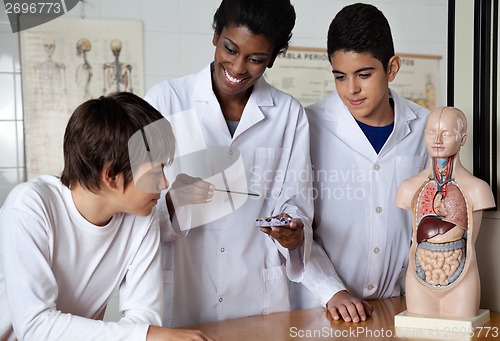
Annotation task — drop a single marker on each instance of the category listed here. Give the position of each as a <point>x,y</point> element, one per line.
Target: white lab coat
<point>227,268</point>
<point>366,237</point>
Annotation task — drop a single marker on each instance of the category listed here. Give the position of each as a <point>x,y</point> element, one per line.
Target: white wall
<point>177,41</point>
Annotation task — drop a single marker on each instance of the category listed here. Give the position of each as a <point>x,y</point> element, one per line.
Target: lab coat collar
<point>403,115</point>
<point>252,114</point>
<point>351,134</point>
<point>202,85</point>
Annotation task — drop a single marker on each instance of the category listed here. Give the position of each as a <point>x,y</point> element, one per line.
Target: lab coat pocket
<point>276,297</point>
<point>408,166</point>
<point>168,299</point>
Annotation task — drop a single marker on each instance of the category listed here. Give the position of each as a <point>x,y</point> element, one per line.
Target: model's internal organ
<point>441,231</point>
<point>439,267</point>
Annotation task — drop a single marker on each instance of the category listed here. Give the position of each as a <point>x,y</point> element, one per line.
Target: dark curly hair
<point>274,19</point>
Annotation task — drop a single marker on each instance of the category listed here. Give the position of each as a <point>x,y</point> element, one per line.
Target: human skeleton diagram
<point>50,80</point>
<point>117,75</point>
<point>446,202</point>
<point>83,74</point>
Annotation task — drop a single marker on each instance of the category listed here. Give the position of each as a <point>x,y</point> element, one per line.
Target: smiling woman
<point>241,57</point>
<point>237,113</point>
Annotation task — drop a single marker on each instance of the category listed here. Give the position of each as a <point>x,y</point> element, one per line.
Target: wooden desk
<point>314,324</point>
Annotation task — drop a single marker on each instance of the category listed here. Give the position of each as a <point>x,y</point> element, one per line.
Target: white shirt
<point>365,236</point>
<point>58,271</point>
<point>226,267</point>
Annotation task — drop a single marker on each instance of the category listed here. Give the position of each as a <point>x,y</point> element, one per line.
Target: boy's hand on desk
<point>349,308</point>
<point>289,236</point>
<point>170,334</point>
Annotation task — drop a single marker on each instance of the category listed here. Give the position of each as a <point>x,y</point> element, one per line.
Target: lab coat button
<point>376,250</point>
<point>376,167</point>
<point>378,209</point>
<point>222,249</point>
<point>226,199</point>
<point>370,287</point>
<point>220,299</point>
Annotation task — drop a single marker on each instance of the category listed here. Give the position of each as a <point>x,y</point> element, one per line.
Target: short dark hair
<point>361,28</point>
<point>97,134</point>
<point>274,19</point>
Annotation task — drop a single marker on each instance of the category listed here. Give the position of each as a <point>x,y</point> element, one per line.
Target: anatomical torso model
<point>446,202</point>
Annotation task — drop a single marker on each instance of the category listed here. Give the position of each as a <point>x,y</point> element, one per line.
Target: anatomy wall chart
<point>64,63</point>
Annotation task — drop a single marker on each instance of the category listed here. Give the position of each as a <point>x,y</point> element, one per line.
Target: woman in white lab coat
<point>243,154</point>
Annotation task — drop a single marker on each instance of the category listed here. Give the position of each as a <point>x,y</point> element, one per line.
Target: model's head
<point>120,134</point>
<point>274,19</point>
<point>361,28</point>
<point>445,131</point>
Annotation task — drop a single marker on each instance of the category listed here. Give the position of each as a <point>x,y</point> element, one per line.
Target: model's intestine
<point>439,266</point>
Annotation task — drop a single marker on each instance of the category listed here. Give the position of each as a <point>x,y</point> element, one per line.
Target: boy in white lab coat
<point>365,140</point>
<point>67,243</point>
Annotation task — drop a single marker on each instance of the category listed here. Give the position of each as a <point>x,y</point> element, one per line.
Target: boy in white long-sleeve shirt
<point>66,243</point>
